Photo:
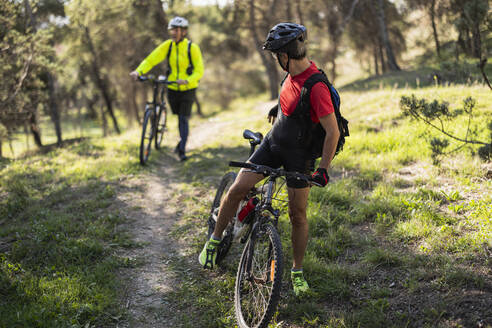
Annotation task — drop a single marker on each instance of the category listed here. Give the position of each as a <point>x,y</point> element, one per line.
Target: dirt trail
<point>150,220</point>
<point>152,208</point>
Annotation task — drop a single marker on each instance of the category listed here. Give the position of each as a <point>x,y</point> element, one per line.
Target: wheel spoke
<point>160,125</point>
<point>255,290</point>
<point>147,133</point>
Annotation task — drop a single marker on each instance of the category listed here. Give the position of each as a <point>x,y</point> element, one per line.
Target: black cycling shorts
<point>297,160</point>
<point>181,101</point>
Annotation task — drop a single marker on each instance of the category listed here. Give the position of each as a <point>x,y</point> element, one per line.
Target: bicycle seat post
<point>252,149</point>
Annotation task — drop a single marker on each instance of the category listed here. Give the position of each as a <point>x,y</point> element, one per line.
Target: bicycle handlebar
<point>162,79</point>
<point>269,171</point>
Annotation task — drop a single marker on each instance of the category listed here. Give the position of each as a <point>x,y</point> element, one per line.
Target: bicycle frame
<point>152,117</point>
<point>264,205</point>
<point>261,264</point>
<point>259,219</point>
<point>158,89</point>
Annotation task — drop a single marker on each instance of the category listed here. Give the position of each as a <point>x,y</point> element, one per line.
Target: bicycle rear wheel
<point>161,125</point>
<point>147,135</point>
<point>227,235</point>
<point>259,278</point>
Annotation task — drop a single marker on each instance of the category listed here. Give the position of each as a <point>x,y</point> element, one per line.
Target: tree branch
<point>25,70</point>
<point>417,116</point>
<point>347,18</point>
<point>482,69</point>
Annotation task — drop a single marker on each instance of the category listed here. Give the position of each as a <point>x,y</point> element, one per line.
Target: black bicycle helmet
<point>283,33</point>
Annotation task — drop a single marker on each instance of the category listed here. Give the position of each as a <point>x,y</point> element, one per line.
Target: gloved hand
<point>272,114</point>
<point>320,177</point>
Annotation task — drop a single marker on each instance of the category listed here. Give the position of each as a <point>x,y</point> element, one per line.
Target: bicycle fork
<point>269,273</point>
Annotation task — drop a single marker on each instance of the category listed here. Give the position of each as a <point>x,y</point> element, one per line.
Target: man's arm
<point>155,57</point>
<point>329,123</point>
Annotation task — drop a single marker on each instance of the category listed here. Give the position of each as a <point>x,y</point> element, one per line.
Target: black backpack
<point>190,68</point>
<point>314,132</point>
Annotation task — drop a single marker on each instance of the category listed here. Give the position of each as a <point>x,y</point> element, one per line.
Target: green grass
<point>59,232</point>
<point>377,238</point>
<point>394,241</point>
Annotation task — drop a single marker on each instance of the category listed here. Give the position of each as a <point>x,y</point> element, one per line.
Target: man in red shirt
<point>282,145</point>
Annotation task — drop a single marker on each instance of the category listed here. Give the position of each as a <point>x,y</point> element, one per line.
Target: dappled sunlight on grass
<point>385,231</point>
<point>58,207</point>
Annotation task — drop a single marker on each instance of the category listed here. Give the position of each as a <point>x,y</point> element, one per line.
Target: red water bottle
<point>250,205</point>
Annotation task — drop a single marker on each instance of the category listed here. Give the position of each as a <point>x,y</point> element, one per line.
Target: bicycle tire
<point>256,297</point>
<point>160,125</point>
<point>147,136</point>
<point>227,236</point>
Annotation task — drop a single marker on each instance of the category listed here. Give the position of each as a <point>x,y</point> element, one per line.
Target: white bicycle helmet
<point>177,22</point>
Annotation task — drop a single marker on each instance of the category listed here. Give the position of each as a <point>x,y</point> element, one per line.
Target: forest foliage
<point>65,60</point>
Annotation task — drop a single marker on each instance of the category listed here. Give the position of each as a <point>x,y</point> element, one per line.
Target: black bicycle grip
<point>241,164</point>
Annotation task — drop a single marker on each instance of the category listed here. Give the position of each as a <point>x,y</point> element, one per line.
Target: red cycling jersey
<point>320,97</point>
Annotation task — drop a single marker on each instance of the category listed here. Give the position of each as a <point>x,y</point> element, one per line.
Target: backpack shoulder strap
<point>189,54</point>
<point>169,50</point>
<point>304,105</point>
<point>308,85</point>
<point>167,57</point>
<point>285,78</point>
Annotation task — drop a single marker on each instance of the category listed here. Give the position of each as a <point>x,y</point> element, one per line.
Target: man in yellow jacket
<point>185,66</point>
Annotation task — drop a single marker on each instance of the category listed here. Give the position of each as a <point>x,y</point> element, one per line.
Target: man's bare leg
<point>297,212</point>
<point>239,189</point>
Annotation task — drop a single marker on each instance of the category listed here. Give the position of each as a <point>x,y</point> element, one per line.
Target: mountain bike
<point>259,274</point>
<point>155,117</point>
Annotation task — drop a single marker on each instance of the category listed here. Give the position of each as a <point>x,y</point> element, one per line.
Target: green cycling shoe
<point>298,282</point>
<point>208,256</point>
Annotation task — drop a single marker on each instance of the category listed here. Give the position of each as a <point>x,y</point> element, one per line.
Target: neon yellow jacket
<point>178,61</point>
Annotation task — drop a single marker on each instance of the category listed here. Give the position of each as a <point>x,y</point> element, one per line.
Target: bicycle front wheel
<point>227,235</point>
<point>161,125</point>
<point>147,136</point>
<point>259,278</point>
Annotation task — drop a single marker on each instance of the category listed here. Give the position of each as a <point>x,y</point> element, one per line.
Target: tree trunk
<point>381,58</point>
<point>161,19</point>
<point>434,27</point>
<point>11,147</point>
<point>288,10</point>
<point>132,103</point>
<point>268,61</point>
<point>33,125</point>
<point>477,41</point>
<point>1,154</point>
<point>345,20</point>
<point>53,107</point>
<point>333,70</point>
<point>100,81</point>
<point>335,34</point>
<point>333,61</point>
<point>32,18</point>
<point>104,122</point>
<point>383,34</point>
<point>376,66</point>
<point>91,102</point>
<point>299,11</point>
